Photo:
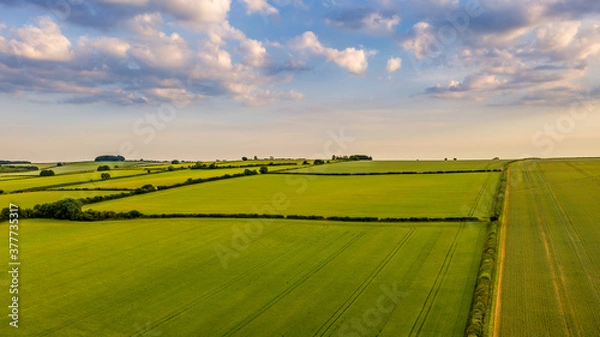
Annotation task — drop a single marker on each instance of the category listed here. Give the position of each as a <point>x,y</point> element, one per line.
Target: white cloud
<point>393,64</point>
<point>43,42</point>
<point>261,6</point>
<point>111,46</point>
<point>423,42</point>
<point>199,12</point>
<point>354,60</point>
<point>163,52</point>
<point>146,24</point>
<point>254,53</point>
<point>376,23</point>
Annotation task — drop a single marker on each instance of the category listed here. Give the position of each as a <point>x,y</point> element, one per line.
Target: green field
<point>30,199</point>
<point>403,166</point>
<point>168,178</point>
<point>291,278</point>
<point>550,276</point>
<point>78,167</point>
<point>63,179</point>
<point>274,277</point>
<point>440,195</point>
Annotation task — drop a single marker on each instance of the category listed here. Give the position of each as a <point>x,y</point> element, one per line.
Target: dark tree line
<point>109,158</point>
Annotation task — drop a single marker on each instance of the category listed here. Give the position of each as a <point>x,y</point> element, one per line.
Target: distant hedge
<point>388,173</point>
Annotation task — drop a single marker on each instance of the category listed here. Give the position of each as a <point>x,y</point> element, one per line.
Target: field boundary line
<point>494,322</point>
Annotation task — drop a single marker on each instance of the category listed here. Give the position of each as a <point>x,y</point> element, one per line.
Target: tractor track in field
<point>361,288</point>
<point>480,194</point>
<point>576,242</point>
<point>433,292</point>
<point>412,272</point>
<point>295,285</point>
<point>558,277</point>
<point>584,172</point>
<point>124,300</point>
<point>226,285</point>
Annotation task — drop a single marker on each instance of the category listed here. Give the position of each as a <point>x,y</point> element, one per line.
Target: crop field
<point>30,199</point>
<point>284,277</point>
<point>63,179</point>
<point>439,195</point>
<point>550,276</point>
<point>403,166</point>
<point>79,167</point>
<point>168,178</point>
<point>287,278</point>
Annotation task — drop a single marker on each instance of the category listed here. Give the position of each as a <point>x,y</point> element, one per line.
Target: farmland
<point>294,278</point>
<point>353,167</point>
<point>300,277</point>
<point>443,195</point>
<point>62,180</point>
<point>30,199</point>
<point>550,284</point>
<point>168,178</point>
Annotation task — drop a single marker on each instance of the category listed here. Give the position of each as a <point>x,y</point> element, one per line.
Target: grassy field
<point>403,166</point>
<point>550,283</point>
<point>74,178</point>
<point>443,195</point>
<point>79,167</point>
<point>168,178</point>
<point>287,278</point>
<point>30,199</point>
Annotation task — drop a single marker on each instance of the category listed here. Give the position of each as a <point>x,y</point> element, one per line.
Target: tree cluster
<point>109,158</point>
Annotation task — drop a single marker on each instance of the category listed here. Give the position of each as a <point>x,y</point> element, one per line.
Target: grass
<point>403,166</point>
<point>447,195</point>
<point>74,178</point>
<point>30,199</point>
<point>550,284</point>
<point>291,278</point>
<point>77,167</point>
<point>167,178</point>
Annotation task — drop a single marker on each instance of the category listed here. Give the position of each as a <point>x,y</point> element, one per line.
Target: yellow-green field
<point>291,278</point>
<point>551,267</point>
<point>443,195</point>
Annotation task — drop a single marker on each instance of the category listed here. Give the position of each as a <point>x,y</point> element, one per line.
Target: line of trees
<point>481,305</point>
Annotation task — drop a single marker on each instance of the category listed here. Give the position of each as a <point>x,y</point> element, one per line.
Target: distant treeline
<point>211,166</point>
<point>388,173</point>
<point>109,158</point>
<point>15,168</point>
<point>16,162</point>
<point>352,157</point>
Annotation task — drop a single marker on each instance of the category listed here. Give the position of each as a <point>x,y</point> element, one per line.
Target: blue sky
<point>208,79</point>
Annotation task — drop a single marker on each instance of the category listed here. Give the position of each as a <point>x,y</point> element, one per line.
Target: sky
<point>222,79</point>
